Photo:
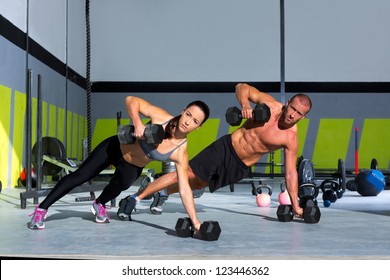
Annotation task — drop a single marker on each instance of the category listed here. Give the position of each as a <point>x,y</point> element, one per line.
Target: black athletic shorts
<point>219,165</point>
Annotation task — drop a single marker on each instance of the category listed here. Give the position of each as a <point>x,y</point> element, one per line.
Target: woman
<point>130,159</point>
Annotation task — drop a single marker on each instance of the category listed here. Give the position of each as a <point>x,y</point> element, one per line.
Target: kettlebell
<point>283,197</point>
<point>263,199</point>
<point>329,192</point>
<point>306,192</point>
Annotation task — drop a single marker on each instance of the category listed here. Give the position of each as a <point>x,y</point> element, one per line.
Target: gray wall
<point>184,40</point>
<point>58,27</point>
<point>337,40</point>
<point>238,40</point>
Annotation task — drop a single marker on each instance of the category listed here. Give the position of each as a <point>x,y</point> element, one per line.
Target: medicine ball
<point>370,182</point>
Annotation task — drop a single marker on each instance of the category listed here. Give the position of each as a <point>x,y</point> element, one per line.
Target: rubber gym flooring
<point>354,227</point>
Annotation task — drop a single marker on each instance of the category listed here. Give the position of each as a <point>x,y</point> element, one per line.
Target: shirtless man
<point>229,159</point>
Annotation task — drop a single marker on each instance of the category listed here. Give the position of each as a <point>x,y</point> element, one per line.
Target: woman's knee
<point>75,179</point>
<point>119,185</point>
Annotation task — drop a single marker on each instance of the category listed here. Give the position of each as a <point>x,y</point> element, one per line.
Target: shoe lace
<point>38,215</point>
<point>103,210</point>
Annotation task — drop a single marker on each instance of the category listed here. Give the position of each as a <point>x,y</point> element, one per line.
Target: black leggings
<point>105,154</point>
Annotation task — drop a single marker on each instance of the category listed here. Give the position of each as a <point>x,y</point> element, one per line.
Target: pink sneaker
<point>100,212</point>
<point>38,218</point>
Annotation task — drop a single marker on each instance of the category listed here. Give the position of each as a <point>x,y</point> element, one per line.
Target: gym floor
<point>354,227</point>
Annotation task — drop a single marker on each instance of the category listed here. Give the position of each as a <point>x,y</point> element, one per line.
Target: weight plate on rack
<point>51,147</point>
<point>306,173</point>
<point>342,173</point>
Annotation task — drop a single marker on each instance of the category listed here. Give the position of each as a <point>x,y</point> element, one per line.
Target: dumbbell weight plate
<point>311,214</point>
<point>343,175</point>
<point>125,134</point>
<point>233,116</point>
<point>210,230</point>
<point>261,113</point>
<point>374,164</point>
<point>154,133</point>
<point>284,213</point>
<point>307,201</point>
<point>51,147</point>
<point>306,173</point>
<point>183,227</point>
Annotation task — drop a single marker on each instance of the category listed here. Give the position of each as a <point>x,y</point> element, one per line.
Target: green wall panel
<point>375,143</point>
<point>332,142</point>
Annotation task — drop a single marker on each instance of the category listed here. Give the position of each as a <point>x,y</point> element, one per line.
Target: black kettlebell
<point>307,189</point>
<point>330,192</point>
<point>307,192</point>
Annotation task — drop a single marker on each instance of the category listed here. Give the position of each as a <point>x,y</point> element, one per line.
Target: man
<point>229,159</point>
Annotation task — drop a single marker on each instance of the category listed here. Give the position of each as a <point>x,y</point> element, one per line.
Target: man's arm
<point>162,182</point>
<point>246,94</point>
<point>291,177</point>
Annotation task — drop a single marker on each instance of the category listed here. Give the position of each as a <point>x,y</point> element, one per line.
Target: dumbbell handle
<point>261,113</point>
<point>242,117</point>
<point>233,116</point>
<point>143,133</point>
<point>153,133</point>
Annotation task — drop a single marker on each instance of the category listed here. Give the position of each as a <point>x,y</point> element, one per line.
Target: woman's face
<point>191,119</point>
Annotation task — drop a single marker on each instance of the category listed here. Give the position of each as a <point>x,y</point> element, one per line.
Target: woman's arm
<point>136,106</point>
<point>185,191</point>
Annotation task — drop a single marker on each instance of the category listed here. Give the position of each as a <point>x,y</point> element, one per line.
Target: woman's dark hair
<point>203,106</point>
<point>173,122</point>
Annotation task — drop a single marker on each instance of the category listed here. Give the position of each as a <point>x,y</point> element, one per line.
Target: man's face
<point>294,111</point>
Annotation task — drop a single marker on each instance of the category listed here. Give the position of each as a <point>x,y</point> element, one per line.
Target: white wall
<point>337,40</point>
<point>185,40</point>
<point>56,25</point>
<point>238,40</point>
<point>47,25</point>
<point>15,11</point>
<point>218,40</point>
<point>77,36</point>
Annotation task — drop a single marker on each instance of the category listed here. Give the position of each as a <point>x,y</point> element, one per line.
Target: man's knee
<point>197,184</point>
